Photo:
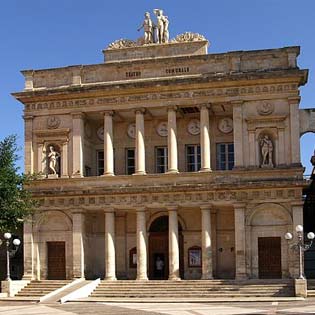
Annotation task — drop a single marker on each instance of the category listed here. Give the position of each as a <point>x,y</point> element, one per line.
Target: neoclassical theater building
<point>165,162</point>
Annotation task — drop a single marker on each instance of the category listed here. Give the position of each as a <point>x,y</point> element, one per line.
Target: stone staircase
<point>37,289</point>
<point>190,290</point>
<point>310,287</point>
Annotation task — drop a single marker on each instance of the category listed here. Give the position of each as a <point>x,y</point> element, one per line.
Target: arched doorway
<point>158,249</point>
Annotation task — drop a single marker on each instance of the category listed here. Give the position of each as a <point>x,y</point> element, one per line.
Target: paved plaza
<point>289,308</point>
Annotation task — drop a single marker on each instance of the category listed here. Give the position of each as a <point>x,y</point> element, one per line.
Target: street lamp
<point>16,242</point>
<point>301,245</point>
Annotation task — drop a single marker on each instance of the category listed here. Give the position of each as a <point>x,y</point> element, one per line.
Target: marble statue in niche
<point>53,161</point>
<point>266,151</point>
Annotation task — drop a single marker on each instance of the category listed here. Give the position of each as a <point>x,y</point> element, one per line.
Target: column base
<point>241,276</point>
<point>28,277</point>
<point>107,174</point>
<point>172,172</point>
<point>140,173</point>
<point>204,170</point>
<point>76,175</point>
<point>110,278</point>
<point>142,279</point>
<point>174,278</point>
<point>206,277</point>
<point>64,176</point>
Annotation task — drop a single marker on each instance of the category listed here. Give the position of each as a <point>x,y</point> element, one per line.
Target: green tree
<point>15,201</point>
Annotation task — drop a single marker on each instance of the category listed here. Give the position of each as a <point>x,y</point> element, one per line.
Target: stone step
<point>191,289</point>
<point>251,287</point>
<point>214,294</point>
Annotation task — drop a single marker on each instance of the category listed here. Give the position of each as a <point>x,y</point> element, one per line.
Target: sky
<point>37,34</point>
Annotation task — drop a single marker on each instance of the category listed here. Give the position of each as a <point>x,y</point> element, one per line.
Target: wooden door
<point>269,257</point>
<point>158,251</point>
<point>56,253</point>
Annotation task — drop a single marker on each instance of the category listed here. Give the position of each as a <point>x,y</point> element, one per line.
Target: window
<point>193,162</point>
<point>130,161</point>
<point>225,156</point>
<point>161,159</point>
<point>100,163</point>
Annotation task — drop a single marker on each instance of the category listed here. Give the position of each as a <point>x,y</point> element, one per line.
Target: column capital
<point>206,207</point>
<point>294,100</point>
<point>297,204</point>
<point>109,210</point>
<point>141,209</point>
<point>77,211</point>
<point>204,106</point>
<point>108,113</point>
<point>237,102</point>
<point>141,110</point>
<point>172,108</point>
<point>78,115</point>
<point>239,205</point>
<point>28,117</point>
<point>172,208</point>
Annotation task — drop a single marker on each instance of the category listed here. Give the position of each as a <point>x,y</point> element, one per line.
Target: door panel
<point>56,260</point>
<point>158,245</point>
<point>269,257</point>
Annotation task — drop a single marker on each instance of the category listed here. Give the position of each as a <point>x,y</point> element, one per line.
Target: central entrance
<point>158,249</point>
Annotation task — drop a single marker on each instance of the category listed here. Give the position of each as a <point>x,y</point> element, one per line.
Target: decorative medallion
<point>265,108</point>
<point>131,131</point>
<point>225,125</point>
<point>193,127</point>
<point>162,129</point>
<point>100,133</point>
<point>53,122</point>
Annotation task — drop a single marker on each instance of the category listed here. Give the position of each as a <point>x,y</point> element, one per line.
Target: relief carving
<point>188,37</point>
<point>53,122</point>
<point>265,108</point>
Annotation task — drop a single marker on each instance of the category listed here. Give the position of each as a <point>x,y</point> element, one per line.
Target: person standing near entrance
<point>159,266</point>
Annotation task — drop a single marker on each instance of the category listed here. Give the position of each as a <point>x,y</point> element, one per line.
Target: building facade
<point>165,162</point>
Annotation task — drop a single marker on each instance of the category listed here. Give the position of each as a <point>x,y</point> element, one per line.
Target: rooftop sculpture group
<point>155,33</point>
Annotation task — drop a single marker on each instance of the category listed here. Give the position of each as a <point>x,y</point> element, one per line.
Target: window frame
<point>196,164</point>
<point>127,159</point>
<point>227,153</point>
<point>165,148</point>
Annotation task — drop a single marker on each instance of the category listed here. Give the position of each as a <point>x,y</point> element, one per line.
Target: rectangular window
<point>225,156</point>
<point>161,159</point>
<point>193,159</point>
<point>100,162</point>
<point>130,161</point>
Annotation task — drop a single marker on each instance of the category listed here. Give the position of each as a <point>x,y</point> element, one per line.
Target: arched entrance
<point>158,249</point>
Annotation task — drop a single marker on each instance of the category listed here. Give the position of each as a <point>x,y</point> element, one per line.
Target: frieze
<point>219,92</point>
<point>182,198</point>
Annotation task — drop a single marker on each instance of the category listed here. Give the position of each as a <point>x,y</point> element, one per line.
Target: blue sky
<point>38,34</point>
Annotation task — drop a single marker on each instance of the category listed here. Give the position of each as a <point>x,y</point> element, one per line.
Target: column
<point>110,261</point>
<point>238,134</point>
<point>252,149</point>
<point>240,246</point>
<point>172,141</point>
<point>207,272</point>
<point>297,218</point>
<point>77,244</point>
<point>141,246</point>
<point>28,244</point>
<point>205,139</point>
<point>108,144</point>
<point>295,131</point>
<point>173,244</point>
<point>140,148</point>
<point>77,144</point>
<point>28,150</point>
<point>40,158</point>
<point>64,160</point>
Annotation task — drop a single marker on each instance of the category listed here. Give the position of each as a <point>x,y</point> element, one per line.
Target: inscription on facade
<point>133,74</point>
<point>177,70</point>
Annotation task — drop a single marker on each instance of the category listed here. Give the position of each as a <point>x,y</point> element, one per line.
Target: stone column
<point>295,131</point>
<point>207,270</point>
<point>110,256</point>
<point>238,134</point>
<point>28,149</point>
<point>108,144</point>
<point>172,141</point>
<point>297,218</point>
<point>40,158</point>
<point>240,245</point>
<point>141,246</point>
<point>77,244</point>
<point>140,147</point>
<point>64,160</point>
<point>173,244</point>
<point>252,148</point>
<point>77,144</point>
<point>205,139</point>
<point>28,244</point>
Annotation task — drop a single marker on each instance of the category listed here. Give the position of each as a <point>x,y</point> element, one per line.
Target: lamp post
<point>16,242</point>
<point>301,245</point>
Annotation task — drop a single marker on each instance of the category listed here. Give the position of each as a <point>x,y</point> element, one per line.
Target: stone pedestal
<point>300,286</point>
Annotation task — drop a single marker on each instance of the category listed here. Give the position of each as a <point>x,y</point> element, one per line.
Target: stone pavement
<point>287,308</point>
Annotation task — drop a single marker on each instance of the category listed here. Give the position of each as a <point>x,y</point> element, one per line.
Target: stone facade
<point>192,123</point>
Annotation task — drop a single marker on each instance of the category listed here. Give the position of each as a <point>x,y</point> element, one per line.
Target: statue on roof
<point>147,25</point>
<point>162,32</point>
